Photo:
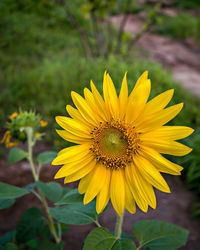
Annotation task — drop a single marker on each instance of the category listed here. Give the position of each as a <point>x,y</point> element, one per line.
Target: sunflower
<point>120,144</point>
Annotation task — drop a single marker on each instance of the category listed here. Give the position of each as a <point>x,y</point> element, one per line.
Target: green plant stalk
<point>118,227</point>
<point>29,132</point>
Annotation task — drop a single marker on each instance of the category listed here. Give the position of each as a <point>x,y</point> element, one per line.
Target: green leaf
<point>46,157</point>
<point>75,214</point>
<point>30,187</point>
<point>6,238</point>
<point>10,246</point>
<point>33,244</point>
<point>8,191</point>
<point>6,203</point>
<point>29,225</point>
<point>46,244</point>
<point>124,244</point>
<point>70,197</point>
<point>157,235</point>
<point>100,238</point>
<point>52,190</point>
<point>16,154</point>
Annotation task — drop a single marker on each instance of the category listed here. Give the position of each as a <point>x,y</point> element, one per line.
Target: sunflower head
<point>16,127</point>
<point>119,142</point>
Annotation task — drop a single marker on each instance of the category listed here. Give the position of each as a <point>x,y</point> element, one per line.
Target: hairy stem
<point>40,195</point>
<point>118,227</point>
<point>29,132</point>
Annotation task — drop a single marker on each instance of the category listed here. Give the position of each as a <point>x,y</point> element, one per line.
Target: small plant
<point>24,127</point>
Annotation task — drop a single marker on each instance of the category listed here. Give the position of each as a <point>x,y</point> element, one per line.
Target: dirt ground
<point>172,207</point>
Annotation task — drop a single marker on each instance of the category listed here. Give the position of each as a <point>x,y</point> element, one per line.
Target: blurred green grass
<point>182,26</point>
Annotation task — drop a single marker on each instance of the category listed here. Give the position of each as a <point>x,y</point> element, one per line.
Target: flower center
<point>113,141</point>
<point>114,144</point>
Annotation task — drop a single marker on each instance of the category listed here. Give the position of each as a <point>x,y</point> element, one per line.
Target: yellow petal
<point>157,103</point>
<point>117,190</point>
<point>129,201</point>
<point>110,96</point>
<point>73,167</point>
<point>168,132</point>
<point>73,126</point>
<point>123,98</point>
<point>6,134</point>
<point>158,119</point>
<point>13,115</point>
<point>68,155</point>
<point>92,103</point>
<point>99,100</point>
<point>72,137</point>
<point>96,183</point>
<point>151,174</point>
<point>84,182</point>
<point>168,147</point>
<point>43,123</point>
<point>142,204</point>
<point>104,194</point>
<point>137,101</point>
<point>161,163</point>
<point>84,108</point>
<point>143,187</point>
<point>81,172</point>
<point>141,79</point>
<point>75,114</point>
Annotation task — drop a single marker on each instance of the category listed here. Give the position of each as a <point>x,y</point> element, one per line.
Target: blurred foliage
<point>185,4</point>
<point>182,26</point>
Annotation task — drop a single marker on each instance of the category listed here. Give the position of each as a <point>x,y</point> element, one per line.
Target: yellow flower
<point>43,123</point>
<point>6,138</point>
<point>121,140</point>
<point>13,115</point>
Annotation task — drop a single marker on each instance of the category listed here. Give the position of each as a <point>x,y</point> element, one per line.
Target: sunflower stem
<point>118,227</point>
<point>97,223</point>
<point>29,132</point>
<point>40,195</point>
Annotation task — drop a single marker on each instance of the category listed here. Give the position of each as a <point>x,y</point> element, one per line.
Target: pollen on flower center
<point>114,144</point>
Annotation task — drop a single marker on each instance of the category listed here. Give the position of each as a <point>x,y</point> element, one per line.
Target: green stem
<point>29,132</point>
<point>118,227</point>
<point>51,222</point>
<point>97,223</point>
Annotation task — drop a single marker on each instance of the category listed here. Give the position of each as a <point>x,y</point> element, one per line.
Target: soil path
<point>184,61</point>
